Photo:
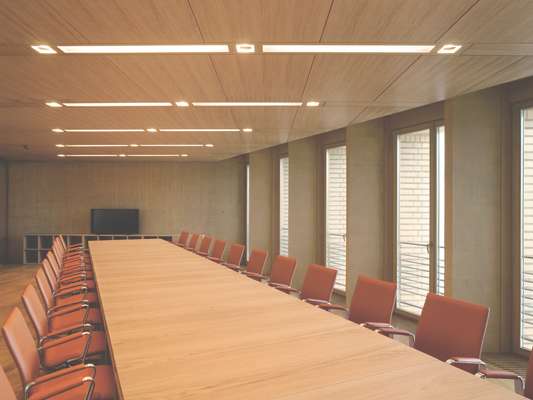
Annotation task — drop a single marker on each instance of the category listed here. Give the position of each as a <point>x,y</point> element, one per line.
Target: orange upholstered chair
<point>205,244</point>
<point>61,348</point>
<point>235,255</point>
<point>5,387</point>
<point>218,251</point>
<point>193,241</point>
<point>372,303</point>
<point>83,379</point>
<point>282,271</point>
<point>182,239</point>
<point>256,262</point>
<point>65,290</point>
<point>450,330</point>
<point>78,277</point>
<point>52,301</point>
<point>317,287</point>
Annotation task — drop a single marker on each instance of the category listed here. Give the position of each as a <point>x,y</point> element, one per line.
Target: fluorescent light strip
<point>101,130</point>
<point>43,49</point>
<point>172,145</point>
<point>247,104</point>
<point>87,155</point>
<point>92,145</point>
<point>347,48</point>
<point>122,155</point>
<point>145,49</point>
<point>201,130</point>
<point>158,155</point>
<point>120,104</point>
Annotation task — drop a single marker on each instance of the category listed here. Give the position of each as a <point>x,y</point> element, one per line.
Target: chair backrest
<point>61,240</point>
<point>193,241</point>
<point>205,244</point>
<point>44,288</point>
<point>372,300</point>
<point>182,239</point>
<point>451,328</point>
<point>235,254</point>
<point>218,249</point>
<point>52,260</point>
<point>5,387</point>
<point>257,261</point>
<point>21,346</point>
<point>52,280</point>
<point>318,283</point>
<point>35,310</point>
<point>283,270</point>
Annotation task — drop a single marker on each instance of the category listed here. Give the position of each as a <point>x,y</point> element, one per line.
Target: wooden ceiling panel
<point>263,77</point>
<point>245,21</point>
<point>435,78</point>
<point>108,78</point>
<point>26,22</point>
<point>374,112</point>
<point>494,21</point>
<point>353,77</point>
<point>392,21</point>
<point>310,121</point>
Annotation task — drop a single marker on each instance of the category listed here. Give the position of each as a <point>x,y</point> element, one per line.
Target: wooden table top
<point>183,327</point>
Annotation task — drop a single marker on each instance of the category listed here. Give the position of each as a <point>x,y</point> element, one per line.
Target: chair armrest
<point>331,306</point>
<point>316,302</point>
<point>254,275</point>
<point>71,306</point>
<point>214,259</point>
<point>284,288</point>
<point>68,330</point>
<point>501,374</point>
<point>86,336</point>
<point>376,325</point>
<point>91,371</point>
<point>465,361</point>
<point>67,310</point>
<point>68,291</point>
<point>391,332</point>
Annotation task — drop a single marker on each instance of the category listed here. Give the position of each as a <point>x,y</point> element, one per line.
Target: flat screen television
<point>114,221</point>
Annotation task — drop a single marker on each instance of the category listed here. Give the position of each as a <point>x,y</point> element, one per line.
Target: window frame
<point>279,194</point>
<point>432,126</point>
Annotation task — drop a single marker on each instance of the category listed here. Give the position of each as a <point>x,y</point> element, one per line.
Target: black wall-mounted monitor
<point>114,221</point>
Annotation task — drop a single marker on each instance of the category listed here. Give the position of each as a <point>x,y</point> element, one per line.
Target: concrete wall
<point>3,212</point>
<point>365,147</point>
<point>57,197</point>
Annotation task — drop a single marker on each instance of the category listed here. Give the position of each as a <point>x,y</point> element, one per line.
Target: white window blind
<point>336,213</point>
<point>413,220</point>
<point>526,270</point>
<point>284,206</point>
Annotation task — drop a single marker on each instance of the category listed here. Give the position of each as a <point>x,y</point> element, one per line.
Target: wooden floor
<point>14,278</point>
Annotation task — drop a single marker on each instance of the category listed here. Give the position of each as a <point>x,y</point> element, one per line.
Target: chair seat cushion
<point>104,386</point>
<point>64,349</point>
<point>73,319</point>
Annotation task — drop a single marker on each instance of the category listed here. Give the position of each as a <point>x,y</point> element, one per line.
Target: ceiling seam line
<point>458,19</point>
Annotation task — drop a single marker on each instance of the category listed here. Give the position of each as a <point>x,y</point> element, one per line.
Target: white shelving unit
<point>36,245</point>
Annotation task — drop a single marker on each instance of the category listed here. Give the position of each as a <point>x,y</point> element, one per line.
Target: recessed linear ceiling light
<point>347,48</point>
<point>248,104</point>
<point>182,103</point>
<point>145,49</point>
<point>92,145</point>
<point>57,130</point>
<point>87,155</point>
<point>43,49</point>
<point>175,145</point>
<point>158,155</point>
<point>245,48</point>
<point>120,104</point>
<point>312,104</point>
<point>247,130</point>
<point>200,130</point>
<point>449,49</point>
<point>151,130</point>
<point>53,104</point>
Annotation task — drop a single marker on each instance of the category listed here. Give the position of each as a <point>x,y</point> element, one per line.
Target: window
<point>419,216</point>
<point>526,228</point>
<point>247,211</point>
<point>284,206</point>
<point>336,213</point>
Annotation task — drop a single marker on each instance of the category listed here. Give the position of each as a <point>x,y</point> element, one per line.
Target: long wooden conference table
<point>182,327</point>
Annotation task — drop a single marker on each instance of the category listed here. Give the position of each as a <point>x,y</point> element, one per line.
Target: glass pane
<point>247,211</point>
<point>336,213</point>
<point>526,291</point>
<point>284,206</point>
<point>413,225</point>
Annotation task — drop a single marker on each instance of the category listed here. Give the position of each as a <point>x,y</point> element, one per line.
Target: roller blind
<point>336,213</point>
<point>284,206</point>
